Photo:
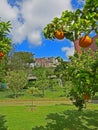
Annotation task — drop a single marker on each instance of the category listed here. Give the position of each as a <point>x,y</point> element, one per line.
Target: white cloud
<point>69,50</point>
<point>35,37</point>
<point>7,12</point>
<point>35,13</point>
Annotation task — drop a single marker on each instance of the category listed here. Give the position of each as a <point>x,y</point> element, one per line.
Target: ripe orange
<point>1,54</point>
<point>86,96</point>
<point>59,34</point>
<point>85,41</point>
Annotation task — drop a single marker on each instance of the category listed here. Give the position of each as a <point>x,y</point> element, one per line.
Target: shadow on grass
<point>2,123</point>
<point>71,120</point>
<point>63,104</point>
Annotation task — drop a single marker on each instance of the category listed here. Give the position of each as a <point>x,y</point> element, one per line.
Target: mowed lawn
<point>23,118</point>
<point>48,117</point>
<point>53,112</point>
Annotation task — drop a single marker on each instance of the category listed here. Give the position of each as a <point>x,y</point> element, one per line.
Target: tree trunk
<point>43,92</point>
<point>85,103</point>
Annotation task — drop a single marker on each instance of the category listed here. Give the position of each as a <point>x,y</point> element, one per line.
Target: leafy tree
<point>16,81</point>
<point>42,81</point>
<point>5,41</point>
<point>73,24</point>
<point>60,69</point>
<point>53,83</point>
<point>82,71</point>
<point>80,77</point>
<point>5,46</point>
<point>20,60</point>
<point>33,91</point>
<point>25,57</point>
<point>3,122</point>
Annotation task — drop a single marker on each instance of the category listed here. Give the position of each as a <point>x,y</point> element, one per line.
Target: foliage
<point>5,46</point>
<point>16,81</point>
<point>82,72</point>
<point>33,90</point>
<point>42,74</point>
<point>25,57</point>
<point>37,71</point>
<point>75,23</point>
<point>20,60</point>
<point>2,123</point>
<point>53,83</point>
<point>60,69</point>
<point>42,84</point>
<point>70,120</point>
<point>5,41</point>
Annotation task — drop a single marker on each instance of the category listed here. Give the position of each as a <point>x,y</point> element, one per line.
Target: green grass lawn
<point>46,115</point>
<point>7,94</point>
<point>53,117</point>
<point>50,94</point>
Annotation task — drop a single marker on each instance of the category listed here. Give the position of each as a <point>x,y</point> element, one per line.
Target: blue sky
<point>29,17</point>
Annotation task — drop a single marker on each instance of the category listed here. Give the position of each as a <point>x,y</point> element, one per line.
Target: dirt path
<point>29,102</point>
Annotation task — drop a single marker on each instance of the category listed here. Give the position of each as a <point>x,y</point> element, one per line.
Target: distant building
<point>93,45</point>
<point>46,62</point>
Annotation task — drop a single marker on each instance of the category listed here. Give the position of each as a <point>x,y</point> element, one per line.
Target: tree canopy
<point>5,45</point>
<point>75,23</point>
<point>5,40</point>
<point>82,71</point>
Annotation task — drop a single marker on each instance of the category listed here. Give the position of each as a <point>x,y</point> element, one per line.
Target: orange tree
<point>80,71</point>
<point>80,77</point>
<point>5,45</point>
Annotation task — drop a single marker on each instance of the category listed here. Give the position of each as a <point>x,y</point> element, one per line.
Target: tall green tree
<point>20,60</point>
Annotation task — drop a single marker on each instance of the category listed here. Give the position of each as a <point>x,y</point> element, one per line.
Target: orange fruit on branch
<point>85,41</point>
<point>59,34</point>
<point>1,54</point>
<point>86,96</point>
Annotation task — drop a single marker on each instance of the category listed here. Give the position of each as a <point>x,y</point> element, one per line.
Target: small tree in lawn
<point>32,91</point>
<point>42,81</point>
<point>16,80</point>
<point>42,85</point>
